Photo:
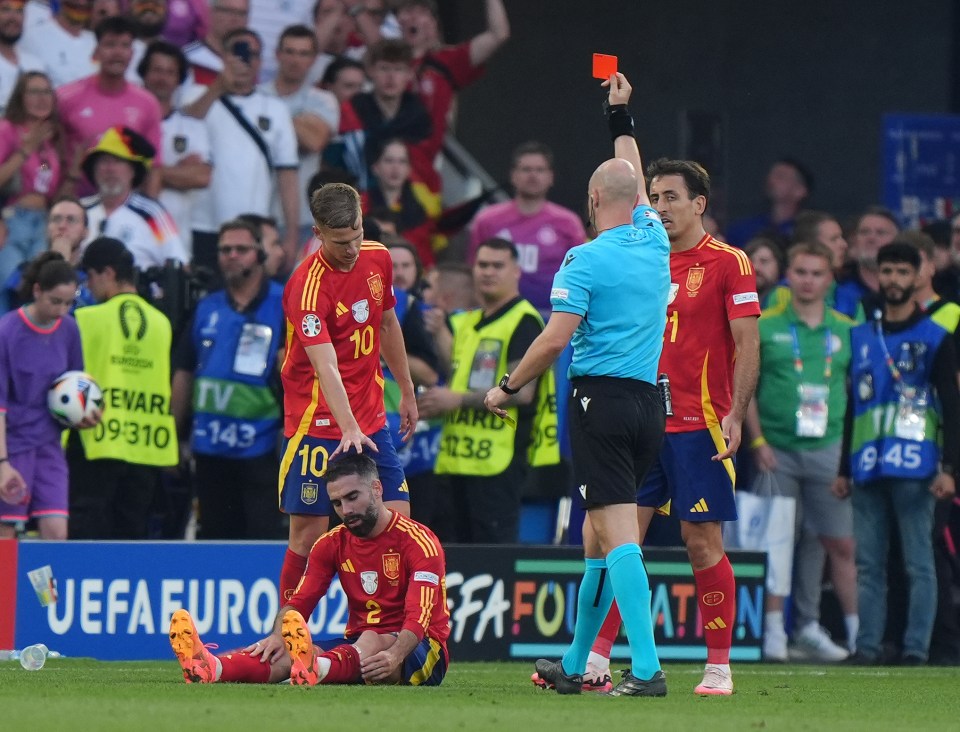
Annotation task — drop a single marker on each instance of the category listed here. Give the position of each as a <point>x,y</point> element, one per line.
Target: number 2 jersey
<point>394,581</point>
<point>710,285</point>
<point>322,304</point>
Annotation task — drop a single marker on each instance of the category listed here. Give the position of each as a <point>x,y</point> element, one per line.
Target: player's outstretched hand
<point>378,667</point>
<point>356,440</point>
<point>730,428</point>
<point>409,414</point>
<point>620,89</point>
<point>270,650</point>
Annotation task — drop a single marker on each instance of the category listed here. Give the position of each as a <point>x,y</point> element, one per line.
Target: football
<point>73,396</point>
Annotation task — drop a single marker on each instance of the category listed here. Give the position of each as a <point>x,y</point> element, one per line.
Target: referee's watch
<point>504,385</point>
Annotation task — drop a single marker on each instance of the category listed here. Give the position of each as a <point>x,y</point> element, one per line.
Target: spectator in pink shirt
<point>29,169</point>
<point>542,231</point>
<point>94,104</point>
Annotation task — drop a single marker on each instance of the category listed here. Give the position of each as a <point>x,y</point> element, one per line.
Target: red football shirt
<point>395,581</point>
<point>324,305</point>
<point>710,285</point>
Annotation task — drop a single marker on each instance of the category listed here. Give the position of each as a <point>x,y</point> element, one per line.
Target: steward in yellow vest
<point>115,468</point>
<point>487,457</point>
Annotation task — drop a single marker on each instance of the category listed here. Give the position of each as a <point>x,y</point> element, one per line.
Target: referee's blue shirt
<point>619,284</point>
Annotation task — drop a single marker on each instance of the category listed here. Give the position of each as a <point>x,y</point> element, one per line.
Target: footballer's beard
<point>9,39</point>
<point>896,295</point>
<point>368,520</point>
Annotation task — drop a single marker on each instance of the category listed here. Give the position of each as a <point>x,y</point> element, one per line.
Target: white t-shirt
<point>65,57</point>
<point>34,12</point>
<point>143,226</point>
<point>183,136</point>
<point>10,72</point>
<point>322,104</point>
<point>242,181</point>
<point>270,17</point>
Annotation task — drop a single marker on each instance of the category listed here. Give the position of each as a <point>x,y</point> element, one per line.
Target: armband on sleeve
<point>619,120</point>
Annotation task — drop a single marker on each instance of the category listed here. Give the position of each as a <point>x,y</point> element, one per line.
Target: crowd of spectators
<point>167,151</point>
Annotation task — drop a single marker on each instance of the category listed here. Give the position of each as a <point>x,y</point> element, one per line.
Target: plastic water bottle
<point>33,657</point>
<point>9,655</point>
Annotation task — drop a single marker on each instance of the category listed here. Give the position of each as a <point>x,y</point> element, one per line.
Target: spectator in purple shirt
<point>38,342</point>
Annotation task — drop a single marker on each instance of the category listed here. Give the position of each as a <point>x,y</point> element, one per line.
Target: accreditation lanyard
<point>827,355</point>
<point>888,359</point>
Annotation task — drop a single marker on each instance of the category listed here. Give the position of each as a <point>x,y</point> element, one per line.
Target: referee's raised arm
<point>621,129</point>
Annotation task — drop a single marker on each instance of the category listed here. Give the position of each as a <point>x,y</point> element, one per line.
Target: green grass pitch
<point>82,694</point>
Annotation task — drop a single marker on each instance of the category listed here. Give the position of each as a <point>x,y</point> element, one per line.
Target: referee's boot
<point>552,673</point>
<point>630,685</point>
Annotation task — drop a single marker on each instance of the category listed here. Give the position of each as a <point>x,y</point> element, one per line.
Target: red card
<point>604,66</point>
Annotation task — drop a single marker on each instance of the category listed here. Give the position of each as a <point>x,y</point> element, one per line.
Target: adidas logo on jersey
<point>700,507</point>
<point>347,567</point>
<point>716,624</point>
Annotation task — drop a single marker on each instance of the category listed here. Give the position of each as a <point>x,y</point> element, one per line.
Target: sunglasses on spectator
<point>228,249</point>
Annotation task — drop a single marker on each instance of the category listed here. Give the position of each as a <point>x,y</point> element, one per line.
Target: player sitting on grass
<point>392,570</point>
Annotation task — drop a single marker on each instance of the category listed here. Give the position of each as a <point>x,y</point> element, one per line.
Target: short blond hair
<point>336,206</point>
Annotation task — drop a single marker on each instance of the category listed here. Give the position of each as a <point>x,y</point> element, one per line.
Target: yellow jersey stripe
<point>413,528</point>
<point>742,259</point>
<point>288,348</point>
<point>710,416</point>
<point>308,283</point>
<point>372,245</point>
<point>418,539</point>
<point>427,601</point>
<point>315,290</point>
<point>741,255</point>
<point>426,671</point>
<point>419,535</point>
<point>293,444</point>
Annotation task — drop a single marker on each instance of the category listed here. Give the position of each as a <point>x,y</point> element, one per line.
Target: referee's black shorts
<point>616,427</point>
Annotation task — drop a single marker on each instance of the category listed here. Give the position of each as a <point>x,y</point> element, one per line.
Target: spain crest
<point>309,493</point>
<point>376,287</point>
<point>694,278</point>
<point>391,566</point>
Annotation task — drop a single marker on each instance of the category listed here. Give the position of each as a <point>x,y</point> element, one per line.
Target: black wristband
<point>619,121</point>
<point>4,460</point>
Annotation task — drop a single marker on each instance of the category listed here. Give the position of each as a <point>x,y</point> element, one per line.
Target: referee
<point>610,297</point>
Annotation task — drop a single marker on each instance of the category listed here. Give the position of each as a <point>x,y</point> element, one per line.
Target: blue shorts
<point>684,480</point>
<point>426,665</point>
<point>302,487</point>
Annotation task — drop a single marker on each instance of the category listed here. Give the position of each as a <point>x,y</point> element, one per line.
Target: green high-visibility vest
<point>126,348</point>
<point>476,441</point>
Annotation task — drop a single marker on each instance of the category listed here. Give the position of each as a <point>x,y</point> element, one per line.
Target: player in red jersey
<point>340,321</point>
<point>711,356</point>
<point>392,570</point>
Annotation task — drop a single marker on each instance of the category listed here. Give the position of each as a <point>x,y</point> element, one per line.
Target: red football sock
<point>242,667</point>
<point>603,645</point>
<point>344,665</point>
<point>716,596</point>
<point>290,574</point>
